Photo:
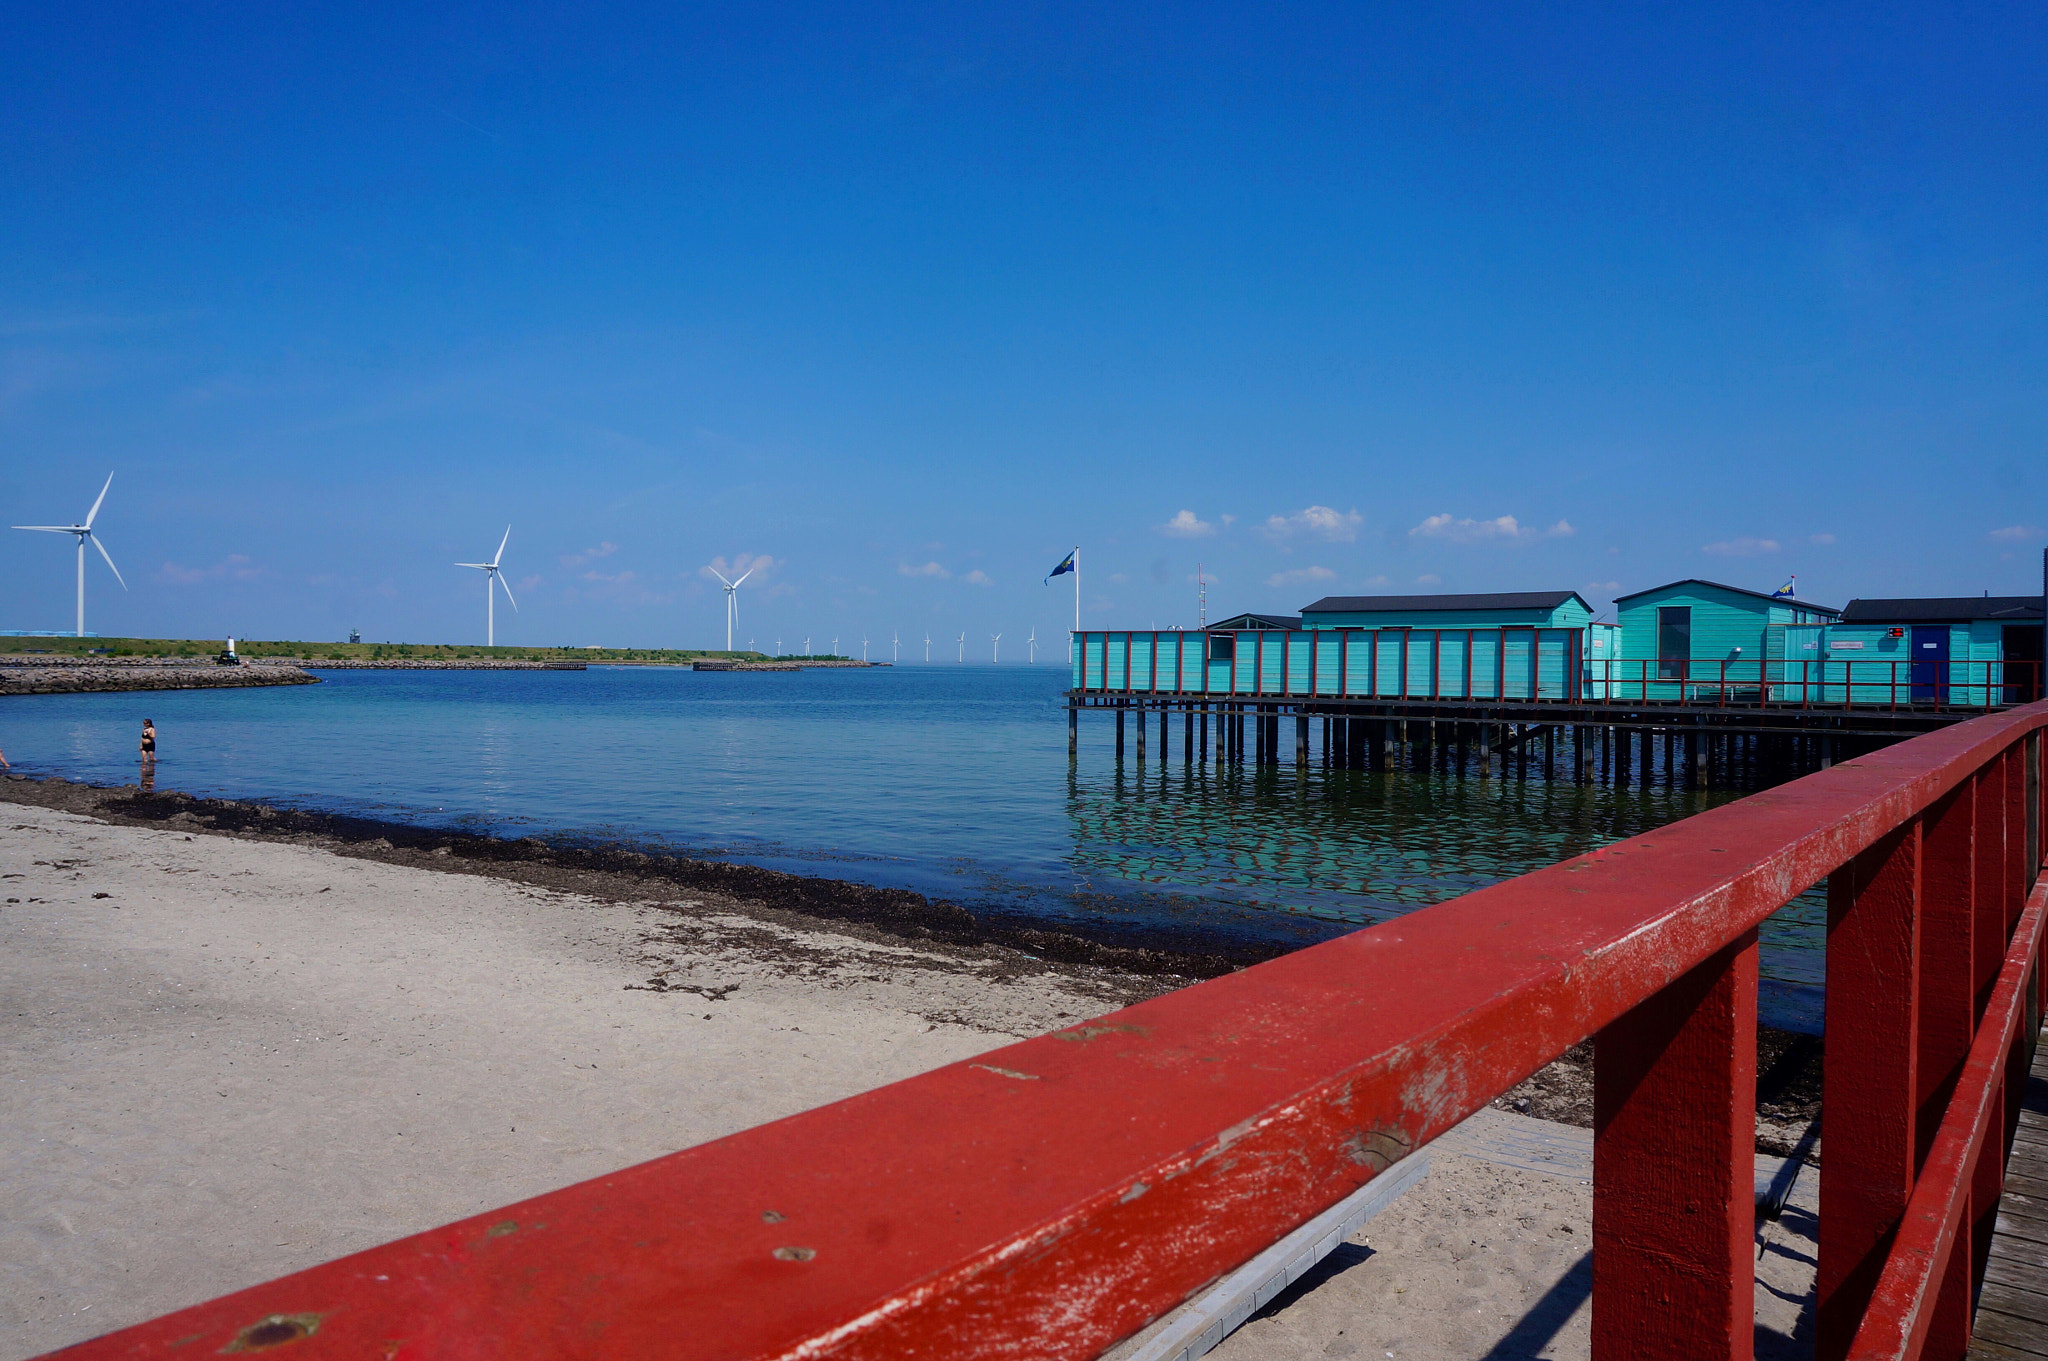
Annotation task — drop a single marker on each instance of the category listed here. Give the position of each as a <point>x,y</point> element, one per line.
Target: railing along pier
<point>1053,1196</point>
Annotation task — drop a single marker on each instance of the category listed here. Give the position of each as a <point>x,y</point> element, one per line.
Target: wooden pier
<point>2012,1309</point>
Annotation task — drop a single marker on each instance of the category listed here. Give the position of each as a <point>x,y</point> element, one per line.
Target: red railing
<point>1053,1196</point>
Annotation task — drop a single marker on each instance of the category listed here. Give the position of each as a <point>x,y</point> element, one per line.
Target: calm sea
<point>953,780</point>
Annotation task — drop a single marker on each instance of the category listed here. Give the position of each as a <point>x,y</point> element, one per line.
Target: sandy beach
<point>230,1056</point>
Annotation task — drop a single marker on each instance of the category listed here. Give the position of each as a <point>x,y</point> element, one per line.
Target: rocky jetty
<point>39,676</point>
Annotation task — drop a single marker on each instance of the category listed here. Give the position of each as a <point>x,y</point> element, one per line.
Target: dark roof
<point>1410,604</point>
<point>1259,621</point>
<point>1738,590</point>
<point>2018,609</point>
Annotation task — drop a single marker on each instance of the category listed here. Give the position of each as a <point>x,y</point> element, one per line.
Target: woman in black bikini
<point>148,740</point>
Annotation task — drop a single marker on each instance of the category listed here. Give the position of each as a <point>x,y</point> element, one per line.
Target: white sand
<point>252,1057</point>
<point>249,1057</point>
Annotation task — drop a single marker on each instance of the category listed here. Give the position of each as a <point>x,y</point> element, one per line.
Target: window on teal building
<point>1674,640</point>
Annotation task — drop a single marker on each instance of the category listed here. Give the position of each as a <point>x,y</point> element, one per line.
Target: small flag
<point>1784,592</point>
<point>1066,565</point>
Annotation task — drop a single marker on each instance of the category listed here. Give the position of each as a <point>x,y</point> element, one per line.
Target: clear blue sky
<point>911,300</point>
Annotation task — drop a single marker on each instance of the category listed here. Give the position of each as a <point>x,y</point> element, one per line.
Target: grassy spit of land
<point>254,649</point>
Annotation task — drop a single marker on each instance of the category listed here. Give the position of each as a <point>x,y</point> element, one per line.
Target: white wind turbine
<point>732,601</point>
<point>491,577</point>
<point>863,647</point>
<point>1033,641</point>
<point>84,532</point>
<point>963,647</point>
<point>995,648</point>
<point>927,649</point>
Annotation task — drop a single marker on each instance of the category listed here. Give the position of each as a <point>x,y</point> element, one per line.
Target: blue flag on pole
<point>1784,592</point>
<point>1066,565</point>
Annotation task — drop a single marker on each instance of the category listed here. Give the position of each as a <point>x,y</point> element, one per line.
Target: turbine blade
<point>508,590</point>
<point>720,575</point>
<point>51,529</point>
<point>744,575</point>
<point>110,560</point>
<point>501,546</point>
<point>480,566</point>
<point>96,505</point>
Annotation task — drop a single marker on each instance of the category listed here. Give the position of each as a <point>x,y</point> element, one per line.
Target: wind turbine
<point>1033,641</point>
<point>84,532</point>
<point>995,648</point>
<point>835,645</point>
<point>490,571</point>
<point>927,649</point>
<point>863,647</point>
<point>963,647</point>
<point>807,645</point>
<point>895,646</point>
<point>732,601</point>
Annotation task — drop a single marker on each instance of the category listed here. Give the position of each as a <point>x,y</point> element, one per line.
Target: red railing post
<point>1674,1095</point>
<point>1870,1084</point>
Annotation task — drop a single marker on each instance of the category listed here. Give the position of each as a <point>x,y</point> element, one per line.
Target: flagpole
<point>1077,588</point>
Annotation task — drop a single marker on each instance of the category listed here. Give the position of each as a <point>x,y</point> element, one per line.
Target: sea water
<point>950,779</point>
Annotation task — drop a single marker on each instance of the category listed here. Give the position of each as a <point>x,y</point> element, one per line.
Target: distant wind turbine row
<point>493,582</point>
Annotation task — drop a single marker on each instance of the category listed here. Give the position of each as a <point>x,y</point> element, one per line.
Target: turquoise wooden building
<point>1700,640</point>
<point>1495,610</point>
<point>1968,651</point>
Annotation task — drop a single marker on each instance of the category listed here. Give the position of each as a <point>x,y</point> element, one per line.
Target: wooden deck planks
<point>2012,1309</point>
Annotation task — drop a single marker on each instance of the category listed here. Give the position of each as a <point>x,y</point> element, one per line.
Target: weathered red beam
<point>1935,1230</point>
<point>1053,1196</point>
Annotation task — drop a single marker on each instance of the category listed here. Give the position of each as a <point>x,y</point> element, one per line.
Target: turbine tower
<point>927,649</point>
<point>895,646</point>
<point>84,532</point>
<point>491,580</point>
<point>963,647</point>
<point>732,601</point>
<point>863,647</point>
<point>995,648</point>
<point>1033,642</point>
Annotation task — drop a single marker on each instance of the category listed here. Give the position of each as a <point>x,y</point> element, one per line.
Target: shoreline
<point>1150,959</point>
<point>47,678</point>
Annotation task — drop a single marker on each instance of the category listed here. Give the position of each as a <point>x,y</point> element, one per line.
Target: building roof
<point>1249,620</point>
<point>1414,604</point>
<point>2015,609</point>
<point>1738,590</point>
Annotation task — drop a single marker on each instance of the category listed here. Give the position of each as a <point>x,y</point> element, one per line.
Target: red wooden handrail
<point>1048,1198</point>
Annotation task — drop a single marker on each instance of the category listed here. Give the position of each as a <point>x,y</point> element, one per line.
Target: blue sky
<point>905,301</point>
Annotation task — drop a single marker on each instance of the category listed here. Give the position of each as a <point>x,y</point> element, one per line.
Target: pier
<point>1509,701</point>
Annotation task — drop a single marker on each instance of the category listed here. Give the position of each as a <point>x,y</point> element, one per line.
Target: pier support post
<point>1301,741</point>
<point>1674,1168</point>
<point>1621,736</point>
<point>1139,715</point>
<point>1485,750</point>
<point>1119,733</point>
<point>1187,744</point>
<point>1376,743</point>
<point>1165,736</point>
<point>1201,720</point>
<point>1550,753</point>
<point>1073,730</point>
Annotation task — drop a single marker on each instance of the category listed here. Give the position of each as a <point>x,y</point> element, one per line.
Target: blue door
<point>1930,664</point>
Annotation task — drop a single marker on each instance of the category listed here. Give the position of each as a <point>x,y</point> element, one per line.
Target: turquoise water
<point>953,780</point>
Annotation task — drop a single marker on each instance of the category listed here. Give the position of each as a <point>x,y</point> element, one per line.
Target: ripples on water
<point>950,779</point>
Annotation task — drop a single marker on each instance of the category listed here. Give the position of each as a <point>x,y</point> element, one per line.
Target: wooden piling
<point>1119,733</point>
<point>1139,714</point>
<point>1073,729</point>
<point>1301,741</point>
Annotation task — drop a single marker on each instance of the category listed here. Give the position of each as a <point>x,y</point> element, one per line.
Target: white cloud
<point>977,577</point>
<point>234,567</point>
<point>760,564</point>
<point>1186,525</point>
<point>929,569</point>
<point>1821,539</point>
<point>1381,580</point>
<point>1119,579</point>
<point>1501,529</point>
<point>1299,575</point>
<point>1603,585</point>
<point>1741,548</point>
<point>574,560</point>
<point>1429,579</point>
<point>1319,522</point>
<point>2015,533</point>
<point>528,583</point>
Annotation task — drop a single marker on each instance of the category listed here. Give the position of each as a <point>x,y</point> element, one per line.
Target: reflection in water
<point>1360,847</point>
<point>146,781</point>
